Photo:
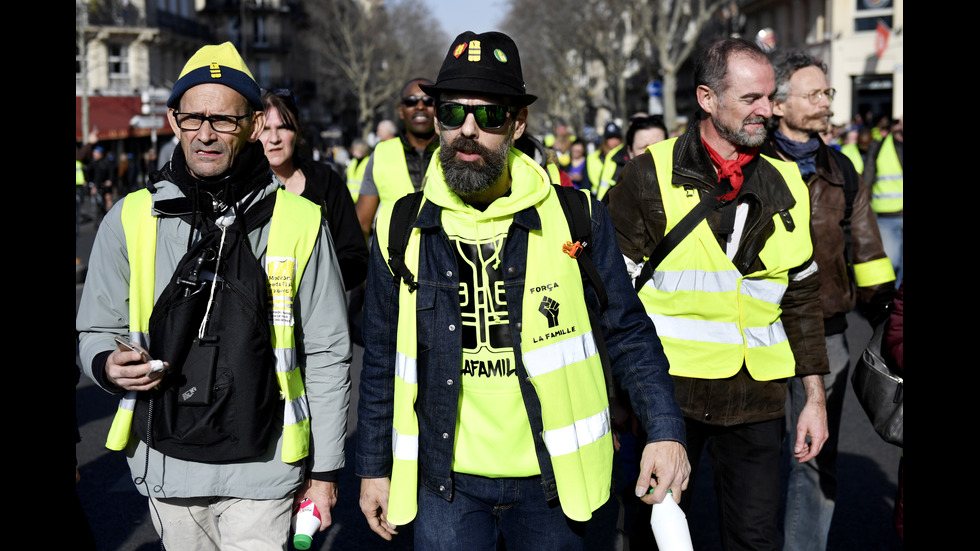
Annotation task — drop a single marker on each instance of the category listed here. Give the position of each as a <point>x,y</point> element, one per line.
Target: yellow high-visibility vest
<point>563,364</point>
<point>887,193</point>
<point>711,319</point>
<point>607,176</point>
<point>293,231</point>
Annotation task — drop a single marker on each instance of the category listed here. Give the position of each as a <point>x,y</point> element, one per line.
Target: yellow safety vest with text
<point>293,231</point>
<point>563,364</point>
<point>887,194</point>
<point>710,318</point>
<point>79,173</point>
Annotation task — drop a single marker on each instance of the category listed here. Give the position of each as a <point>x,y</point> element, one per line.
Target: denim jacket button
<point>707,417</point>
<point>449,273</point>
<point>512,270</point>
<point>452,327</point>
<point>518,325</point>
<point>445,435</point>
<point>442,488</point>
<point>449,382</point>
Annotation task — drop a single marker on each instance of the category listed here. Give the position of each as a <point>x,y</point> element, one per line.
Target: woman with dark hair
<point>315,181</point>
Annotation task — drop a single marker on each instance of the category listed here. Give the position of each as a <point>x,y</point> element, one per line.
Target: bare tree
<point>369,49</point>
<point>673,27</point>
<point>577,55</point>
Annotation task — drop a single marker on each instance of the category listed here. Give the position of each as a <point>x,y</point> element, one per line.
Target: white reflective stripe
<point>296,410</point>
<point>128,402</point>
<point>140,338</point>
<point>696,330</point>
<point>763,289</point>
<point>405,446</point>
<point>285,359</point>
<point>580,433</point>
<point>765,336</point>
<point>886,177</point>
<point>809,271</point>
<point>894,195</point>
<point>560,354</point>
<point>694,280</point>
<point>406,368</point>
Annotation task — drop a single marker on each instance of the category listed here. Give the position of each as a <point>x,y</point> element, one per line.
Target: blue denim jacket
<point>637,358</point>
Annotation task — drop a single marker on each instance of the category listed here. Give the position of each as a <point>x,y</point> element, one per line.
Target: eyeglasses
<point>219,123</point>
<point>816,96</point>
<point>412,101</point>
<point>488,116</point>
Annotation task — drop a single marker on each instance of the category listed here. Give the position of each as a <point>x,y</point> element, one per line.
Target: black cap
<point>612,131</point>
<point>487,63</point>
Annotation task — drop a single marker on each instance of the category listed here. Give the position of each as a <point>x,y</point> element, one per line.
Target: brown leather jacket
<point>838,292</point>
<point>637,211</point>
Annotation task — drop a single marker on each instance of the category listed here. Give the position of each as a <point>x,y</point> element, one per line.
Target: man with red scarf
<point>735,293</point>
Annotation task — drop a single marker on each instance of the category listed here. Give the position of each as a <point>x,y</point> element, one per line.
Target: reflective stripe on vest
<point>390,173</point>
<point>606,180</point>
<point>562,361</point>
<point>293,231</point>
<point>710,318</point>
<point>355,175</point>
<point>887,194</point>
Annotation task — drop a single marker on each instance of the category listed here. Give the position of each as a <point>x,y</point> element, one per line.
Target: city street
<point>120,520</point>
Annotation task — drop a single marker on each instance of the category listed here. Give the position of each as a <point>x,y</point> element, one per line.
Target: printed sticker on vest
<point>281,271</point>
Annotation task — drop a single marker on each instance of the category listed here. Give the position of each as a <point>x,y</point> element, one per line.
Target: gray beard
<point>740,136</point>
<point>468,179</point>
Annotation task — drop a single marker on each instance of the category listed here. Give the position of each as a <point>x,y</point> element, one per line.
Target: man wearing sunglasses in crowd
<point>483,412</point>
<point>396,166</point>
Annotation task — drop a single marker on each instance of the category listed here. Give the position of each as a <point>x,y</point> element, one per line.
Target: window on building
<point>261,38</point>
<point>118,62</point>
<point>867,13</point>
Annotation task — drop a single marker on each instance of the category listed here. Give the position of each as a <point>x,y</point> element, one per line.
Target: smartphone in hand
<point>125,344</point>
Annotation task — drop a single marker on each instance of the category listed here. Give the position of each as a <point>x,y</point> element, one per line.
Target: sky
<point>457,16</point>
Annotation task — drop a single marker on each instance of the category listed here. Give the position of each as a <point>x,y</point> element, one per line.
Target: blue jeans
<point>892,230</point>
<point>812,489</point>
<point>485,510</point>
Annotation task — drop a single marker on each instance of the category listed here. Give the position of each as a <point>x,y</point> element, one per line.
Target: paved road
<point>120,520</point>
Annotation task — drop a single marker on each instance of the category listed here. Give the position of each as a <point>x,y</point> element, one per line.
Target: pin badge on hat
<point>459,50</point>
<point>474,54</point>
<point>500,55</point>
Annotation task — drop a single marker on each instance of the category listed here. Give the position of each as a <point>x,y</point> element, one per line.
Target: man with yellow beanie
<point>231,286</point>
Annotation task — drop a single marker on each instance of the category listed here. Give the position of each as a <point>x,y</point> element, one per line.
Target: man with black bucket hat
<point>231,284</point>
<point>490,322</point>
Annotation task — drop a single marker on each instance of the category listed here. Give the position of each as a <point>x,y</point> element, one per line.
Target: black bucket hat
<point>487,63</point>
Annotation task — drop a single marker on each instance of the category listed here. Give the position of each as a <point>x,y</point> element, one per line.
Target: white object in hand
<point>306,522</point>
<point>669,526</point>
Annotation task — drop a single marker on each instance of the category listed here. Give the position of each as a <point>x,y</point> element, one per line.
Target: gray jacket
<point>323,348</point>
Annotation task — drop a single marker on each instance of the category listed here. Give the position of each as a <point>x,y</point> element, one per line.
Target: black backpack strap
<point>576,206</point>
<point>679,232</point>
<point>577,210</point>
<point>403,216</point>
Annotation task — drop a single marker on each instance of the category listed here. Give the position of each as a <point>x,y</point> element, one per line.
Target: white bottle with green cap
<point>306,521</point>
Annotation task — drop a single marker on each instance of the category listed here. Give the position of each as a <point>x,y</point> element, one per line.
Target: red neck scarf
<point>731,169</point>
